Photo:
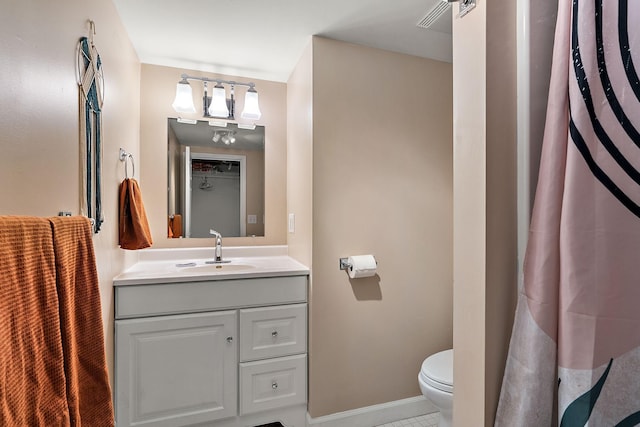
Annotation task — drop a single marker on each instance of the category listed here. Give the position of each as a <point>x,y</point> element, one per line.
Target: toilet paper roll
<point>362,266</point>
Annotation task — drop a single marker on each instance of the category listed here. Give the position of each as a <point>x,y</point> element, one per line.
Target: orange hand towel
<point>134,227</point>
<point>85,366</point>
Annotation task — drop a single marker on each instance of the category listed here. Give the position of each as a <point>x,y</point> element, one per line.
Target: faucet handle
<point>214,233</point>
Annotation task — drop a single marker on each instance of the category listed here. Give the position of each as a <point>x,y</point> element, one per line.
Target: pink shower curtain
<point>574,357</point>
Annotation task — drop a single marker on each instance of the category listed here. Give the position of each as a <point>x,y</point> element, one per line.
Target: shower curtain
<point>574,357</point>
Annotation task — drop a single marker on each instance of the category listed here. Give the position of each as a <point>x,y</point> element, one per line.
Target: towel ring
<point>123,158</point>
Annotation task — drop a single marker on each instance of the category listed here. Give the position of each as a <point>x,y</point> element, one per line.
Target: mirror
<point>215,179</point>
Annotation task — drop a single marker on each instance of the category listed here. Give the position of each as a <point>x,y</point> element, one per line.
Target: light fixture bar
<point>219,81</point>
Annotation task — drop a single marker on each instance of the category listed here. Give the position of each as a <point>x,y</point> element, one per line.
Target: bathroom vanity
<point>214,345</point>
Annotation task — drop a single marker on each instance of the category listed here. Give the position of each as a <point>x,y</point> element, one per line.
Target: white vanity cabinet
<point>220,353</point>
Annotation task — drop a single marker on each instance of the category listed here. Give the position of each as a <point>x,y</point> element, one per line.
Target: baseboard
<point>370,416</point>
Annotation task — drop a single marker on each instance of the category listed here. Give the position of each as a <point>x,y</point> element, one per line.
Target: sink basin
<point>218,268</point>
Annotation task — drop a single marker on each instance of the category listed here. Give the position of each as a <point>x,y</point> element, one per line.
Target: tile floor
<point>430,420</point>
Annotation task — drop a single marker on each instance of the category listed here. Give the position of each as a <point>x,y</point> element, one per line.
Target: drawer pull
<point>229,340</point>
<point>274,385</point>
<point>274,334</point>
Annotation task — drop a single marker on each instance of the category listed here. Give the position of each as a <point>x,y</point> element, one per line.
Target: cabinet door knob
<point>274,385</point>
<point>229,340</point>
<point>274,334</point>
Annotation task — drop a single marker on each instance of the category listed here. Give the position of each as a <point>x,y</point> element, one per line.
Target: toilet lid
<point>437,370</point>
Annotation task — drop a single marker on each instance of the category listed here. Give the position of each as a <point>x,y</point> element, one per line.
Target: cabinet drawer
<point>274,383</point>
<point>191,297</point>
<point>273,331</point>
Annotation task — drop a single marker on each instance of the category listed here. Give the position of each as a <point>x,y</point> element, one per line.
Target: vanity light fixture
<point>218,105</point>
<point>184,98</point>
<point>251,108</point>
<point>187,121</point>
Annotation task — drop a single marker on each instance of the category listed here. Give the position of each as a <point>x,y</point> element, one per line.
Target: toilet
<point>436,383</point>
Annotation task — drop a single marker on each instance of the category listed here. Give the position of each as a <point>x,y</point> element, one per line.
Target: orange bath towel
<point>87,379</point>
<point>32,380</point>
<point>52,357</point>
<point>133,224</point>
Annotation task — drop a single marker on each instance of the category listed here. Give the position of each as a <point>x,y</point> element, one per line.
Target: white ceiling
<point>263,39</point>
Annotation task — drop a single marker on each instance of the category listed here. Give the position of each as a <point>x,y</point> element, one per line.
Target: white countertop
<point>191,265</point>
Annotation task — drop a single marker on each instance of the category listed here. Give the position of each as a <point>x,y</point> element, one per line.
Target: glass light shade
<point>218,107</point>
<point>184,98</point>
<point>251,108</point>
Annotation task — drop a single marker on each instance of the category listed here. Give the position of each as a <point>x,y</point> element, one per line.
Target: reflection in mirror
<point>216,179</point>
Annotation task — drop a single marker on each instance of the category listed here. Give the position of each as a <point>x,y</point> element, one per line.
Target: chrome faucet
<point>218,237</point>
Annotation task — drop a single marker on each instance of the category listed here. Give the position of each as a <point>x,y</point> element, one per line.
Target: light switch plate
<point>292,223</point>
<point>252,219</point>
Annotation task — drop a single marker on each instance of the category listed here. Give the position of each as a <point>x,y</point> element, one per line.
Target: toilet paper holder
<point>346,265</point>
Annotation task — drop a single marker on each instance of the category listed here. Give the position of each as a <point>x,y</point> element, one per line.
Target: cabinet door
<point>176,370</point>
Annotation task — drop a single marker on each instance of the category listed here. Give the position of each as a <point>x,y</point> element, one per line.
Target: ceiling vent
<point>434,14</point>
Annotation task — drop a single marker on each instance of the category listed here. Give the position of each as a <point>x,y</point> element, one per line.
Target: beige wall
<point>469,217</point>
<point>485,262</point>
<point>300,159</point>
<point>382,184</point>
<point>157,91</point>
<point>39,125</point>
